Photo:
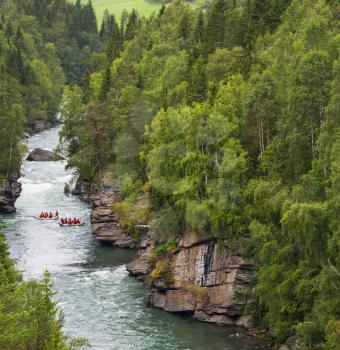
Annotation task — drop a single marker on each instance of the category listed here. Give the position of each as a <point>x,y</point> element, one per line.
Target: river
<point>100,301</point>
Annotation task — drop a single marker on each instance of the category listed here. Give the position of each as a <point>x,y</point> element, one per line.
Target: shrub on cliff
<point>162,271</point>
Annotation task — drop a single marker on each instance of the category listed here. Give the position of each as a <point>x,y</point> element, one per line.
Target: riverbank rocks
<point>9,192</point>
<point>38,126</point>
<point>207,281</point>
<point>43,155</point>
<point>104,221</point>
<point>200,277</point>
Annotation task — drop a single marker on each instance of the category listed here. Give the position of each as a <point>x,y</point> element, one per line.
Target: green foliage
<point>162,272</point>
<point>166,221</point>
<point>87,140</point>
<point>332,335</point>
<point>29,317</point>
<point>163,250</point>
<point>227,121</point>
<point>133,212</point>
<point>160,256</point>
<point>72,28</point>
<point>38,47</point>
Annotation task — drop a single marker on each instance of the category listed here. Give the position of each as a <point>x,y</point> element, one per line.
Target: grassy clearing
<point>143,7</point>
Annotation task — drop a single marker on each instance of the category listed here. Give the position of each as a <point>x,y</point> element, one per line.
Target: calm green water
<point>100,301</point>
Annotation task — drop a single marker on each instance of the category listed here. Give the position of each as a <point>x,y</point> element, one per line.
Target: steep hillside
<point>224,125</point>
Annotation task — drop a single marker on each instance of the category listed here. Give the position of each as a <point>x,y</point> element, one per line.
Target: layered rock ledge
<point>9,192</point>
<point>104,222</point>
<point>204,280</point>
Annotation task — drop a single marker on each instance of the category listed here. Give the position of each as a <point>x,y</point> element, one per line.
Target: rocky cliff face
<point>199,277</point>
<point>9,192</point>
<point>105,225</point>
<point>203,279</point>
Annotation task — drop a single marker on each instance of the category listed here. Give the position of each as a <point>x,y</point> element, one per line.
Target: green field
<point>116,7</point>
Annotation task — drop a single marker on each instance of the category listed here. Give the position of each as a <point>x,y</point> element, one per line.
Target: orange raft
<point>70,225</point>
<point>37,217</point>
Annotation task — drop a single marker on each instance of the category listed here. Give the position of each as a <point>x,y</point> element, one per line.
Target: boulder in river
<point>43,155</point>
<point>39,126</point>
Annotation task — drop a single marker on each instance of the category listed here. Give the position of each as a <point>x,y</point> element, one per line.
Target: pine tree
<point>162,10</point>
<point>123,20</point>
<point>199,28</point>
<point>198,84</point>
<point>184,26</point>
<point>77,17</point>
<point>215,29</point>
<point>15,64</point>
<point>114,42</point>
<point>105,85</point>
<point>89,19</point>
<point>9,30</point>
<point>103,31</point>
<point>131,26</point>
<point>19,42</point>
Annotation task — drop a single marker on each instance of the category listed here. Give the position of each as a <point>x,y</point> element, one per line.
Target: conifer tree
<point>89,20</point>
<point>77,17</point>
<point>184,26</point>
<point>198,84</point>
<point>9,30</point>
<point>162,10</point>
<point>103,32</point>
<point>131,25</point>
<point>15,64</point>
<point>114,42</point>
<point>123,20</point>
<point>215,29</point>
<point>105,84</point>
<point>199,28</point>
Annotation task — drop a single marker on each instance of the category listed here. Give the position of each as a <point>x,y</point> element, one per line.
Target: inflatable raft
<point>37,217</point>
<point>70,225</point>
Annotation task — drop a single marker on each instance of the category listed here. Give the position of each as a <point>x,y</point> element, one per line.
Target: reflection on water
<point>100,300</point>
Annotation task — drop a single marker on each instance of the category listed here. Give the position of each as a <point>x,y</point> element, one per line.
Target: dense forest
<point>40,51</point>
<point>222,121</point>
<point>226,121</point>
<point>43,45</point>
